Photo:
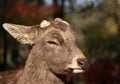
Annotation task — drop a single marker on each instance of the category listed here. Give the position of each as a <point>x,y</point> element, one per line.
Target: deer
<point>54,53</point>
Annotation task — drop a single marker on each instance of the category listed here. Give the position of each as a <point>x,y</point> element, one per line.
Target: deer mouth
<point>76,70</point>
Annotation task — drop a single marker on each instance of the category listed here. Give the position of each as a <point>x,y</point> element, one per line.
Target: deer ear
<point>19,32</point>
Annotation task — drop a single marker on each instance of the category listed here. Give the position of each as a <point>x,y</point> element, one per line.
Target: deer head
<point>54,43</point>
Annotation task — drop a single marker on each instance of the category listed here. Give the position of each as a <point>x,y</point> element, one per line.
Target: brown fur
<point>54,48</point>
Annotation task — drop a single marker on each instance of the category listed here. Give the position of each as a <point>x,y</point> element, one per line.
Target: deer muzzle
<point>78,65</point>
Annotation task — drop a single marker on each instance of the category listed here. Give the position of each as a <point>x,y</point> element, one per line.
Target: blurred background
<point>97,23</point>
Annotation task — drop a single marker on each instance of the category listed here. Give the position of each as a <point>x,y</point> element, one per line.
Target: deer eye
<point>53,42</point>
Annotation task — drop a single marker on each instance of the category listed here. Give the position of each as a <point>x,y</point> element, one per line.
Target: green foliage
<point>99,31</point>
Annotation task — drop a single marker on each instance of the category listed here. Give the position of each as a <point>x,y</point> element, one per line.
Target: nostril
<point>82,63</point>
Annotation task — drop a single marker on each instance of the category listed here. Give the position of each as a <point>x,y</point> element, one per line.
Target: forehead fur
<point>55,23</point>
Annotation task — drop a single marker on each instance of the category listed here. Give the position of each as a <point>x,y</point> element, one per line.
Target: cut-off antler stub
<point>59,19</point>
<point>44,23</point>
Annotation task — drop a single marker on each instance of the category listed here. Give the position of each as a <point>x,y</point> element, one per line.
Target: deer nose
<point>83,63</point>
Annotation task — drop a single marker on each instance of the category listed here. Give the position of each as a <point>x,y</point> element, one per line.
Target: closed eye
<point>52,42</point>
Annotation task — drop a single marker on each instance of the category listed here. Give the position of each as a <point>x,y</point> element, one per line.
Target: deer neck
<point>34,74</point>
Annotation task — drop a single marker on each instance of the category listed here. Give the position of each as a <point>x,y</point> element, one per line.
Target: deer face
<point>54,43</point>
